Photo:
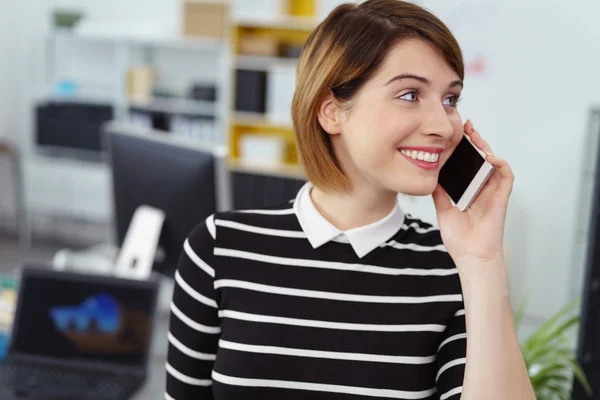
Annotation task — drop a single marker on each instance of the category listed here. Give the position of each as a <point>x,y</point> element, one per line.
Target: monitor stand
<point>136,258</point>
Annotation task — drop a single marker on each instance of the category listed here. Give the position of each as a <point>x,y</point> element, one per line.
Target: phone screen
<point>460,169</point>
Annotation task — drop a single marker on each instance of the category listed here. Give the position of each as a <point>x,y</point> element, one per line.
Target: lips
<point>427,158</point>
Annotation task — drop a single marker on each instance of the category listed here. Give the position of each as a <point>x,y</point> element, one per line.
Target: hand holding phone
<point>465,173</point>
<point>474,237</point>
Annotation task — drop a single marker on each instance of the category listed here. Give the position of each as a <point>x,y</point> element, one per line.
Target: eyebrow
<point>423,80</point>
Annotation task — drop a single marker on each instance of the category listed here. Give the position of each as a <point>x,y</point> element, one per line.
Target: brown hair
<point>340,55</point>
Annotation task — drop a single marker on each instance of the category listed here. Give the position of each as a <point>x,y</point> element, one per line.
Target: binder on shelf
<point>250,90</point>
<point>280,92</point>
<point>197,128</point>
<point>69,125</point>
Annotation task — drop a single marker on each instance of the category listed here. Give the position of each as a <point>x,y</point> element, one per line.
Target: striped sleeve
<point>451,358</point>
<point>194,328</point>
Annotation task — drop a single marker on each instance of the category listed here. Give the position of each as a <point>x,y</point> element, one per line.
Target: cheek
<point>458,132</point>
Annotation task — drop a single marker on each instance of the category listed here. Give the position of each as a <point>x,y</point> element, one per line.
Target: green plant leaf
<point>550,357</point>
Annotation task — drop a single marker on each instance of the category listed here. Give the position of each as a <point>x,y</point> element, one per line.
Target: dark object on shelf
<point>161,121</point>
<point>252,190</point>
<point>250,90</point>
<point>203,92</point>
<point>66,18</point>
<point>290,51</point>
<point>65,125</point>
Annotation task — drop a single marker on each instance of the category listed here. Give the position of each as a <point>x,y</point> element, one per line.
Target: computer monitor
<point>186,179</point>
<point>84,320</point>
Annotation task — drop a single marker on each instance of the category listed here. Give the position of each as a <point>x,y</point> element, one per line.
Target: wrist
<point>483,278</point>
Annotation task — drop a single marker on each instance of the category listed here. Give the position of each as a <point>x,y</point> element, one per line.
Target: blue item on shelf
<point>3,345</point>
<point>66,88</point>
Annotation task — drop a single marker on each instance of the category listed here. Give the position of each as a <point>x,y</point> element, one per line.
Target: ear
<point>329,115</point>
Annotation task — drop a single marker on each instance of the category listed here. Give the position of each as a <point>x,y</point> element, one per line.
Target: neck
<point>353,208</point>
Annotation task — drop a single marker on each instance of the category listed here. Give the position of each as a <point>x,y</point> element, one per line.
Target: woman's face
<point>403,124</point>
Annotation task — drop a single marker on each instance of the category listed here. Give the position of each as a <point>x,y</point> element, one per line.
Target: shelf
<point>79,99</point>
<point>176,106</point>
<point>281,170</point>
<point>245,61</point>
<point>260,121</point>
<point>282,22</point>
<point>168,41</point>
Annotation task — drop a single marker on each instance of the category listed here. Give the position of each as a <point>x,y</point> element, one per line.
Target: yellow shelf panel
<point>260,121</point>
<point>247,124</point>
<point>284,33</point>
<point>305,8</point>
<point>291,29</point>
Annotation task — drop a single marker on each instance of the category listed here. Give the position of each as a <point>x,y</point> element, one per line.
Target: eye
<point>452,101</point>
<point>410,96</point>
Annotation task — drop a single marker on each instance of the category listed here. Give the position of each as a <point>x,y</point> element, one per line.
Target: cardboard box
<point>140,83</point>
<point>205,18</point>
<point>259,46</point>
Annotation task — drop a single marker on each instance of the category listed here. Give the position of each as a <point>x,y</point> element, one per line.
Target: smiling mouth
<point>427,160</point>
<point>421,155</point>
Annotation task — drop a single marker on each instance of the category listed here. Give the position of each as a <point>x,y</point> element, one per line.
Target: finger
<point>468,128</point>
<point>440,200</point>
<point>479,142</point>
<point>505,173</point>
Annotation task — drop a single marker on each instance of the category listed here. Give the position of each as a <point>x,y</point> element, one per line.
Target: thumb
<point>440,200</point>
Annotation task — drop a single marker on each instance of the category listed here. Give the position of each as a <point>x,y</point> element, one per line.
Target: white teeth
<point>421,155</point>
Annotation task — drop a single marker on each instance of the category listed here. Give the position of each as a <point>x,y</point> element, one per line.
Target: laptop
<point>76,336</point>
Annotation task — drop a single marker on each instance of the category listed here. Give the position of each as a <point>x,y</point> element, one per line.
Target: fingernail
<point>490,154</point>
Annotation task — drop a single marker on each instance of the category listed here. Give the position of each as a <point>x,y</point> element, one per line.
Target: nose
<point>437,122</point>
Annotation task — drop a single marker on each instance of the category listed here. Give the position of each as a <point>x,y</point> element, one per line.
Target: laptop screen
<point>84,318</point>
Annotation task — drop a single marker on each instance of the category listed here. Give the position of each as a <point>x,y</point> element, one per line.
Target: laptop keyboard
<point>46,383</point>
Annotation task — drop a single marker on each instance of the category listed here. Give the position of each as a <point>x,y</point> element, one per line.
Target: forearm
<point>495,369</point>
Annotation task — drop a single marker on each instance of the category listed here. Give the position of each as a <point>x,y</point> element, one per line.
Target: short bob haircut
<point>340,55</point>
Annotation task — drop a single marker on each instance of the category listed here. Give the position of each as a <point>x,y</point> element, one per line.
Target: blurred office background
<point>222,74</point>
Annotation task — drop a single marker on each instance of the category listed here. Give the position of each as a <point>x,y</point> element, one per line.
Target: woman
<point>339,294</point>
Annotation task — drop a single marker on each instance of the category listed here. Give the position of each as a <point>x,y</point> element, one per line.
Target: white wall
<point>532,109</point>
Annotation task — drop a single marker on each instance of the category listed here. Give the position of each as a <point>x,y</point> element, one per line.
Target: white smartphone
<point>465,173</point>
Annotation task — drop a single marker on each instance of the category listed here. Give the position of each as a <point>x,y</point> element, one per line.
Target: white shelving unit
<point>98,62</point>
<point>130,50</point>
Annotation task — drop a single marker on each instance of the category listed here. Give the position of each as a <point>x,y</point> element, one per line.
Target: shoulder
<point>277,216</point>
<point>204,233</point>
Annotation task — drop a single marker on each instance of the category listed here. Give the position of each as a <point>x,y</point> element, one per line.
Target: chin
<point>422,188</point>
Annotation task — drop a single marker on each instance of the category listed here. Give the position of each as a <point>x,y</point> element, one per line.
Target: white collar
<point>363,239</point>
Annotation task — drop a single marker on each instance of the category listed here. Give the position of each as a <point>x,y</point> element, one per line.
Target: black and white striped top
<point>279,304</point>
